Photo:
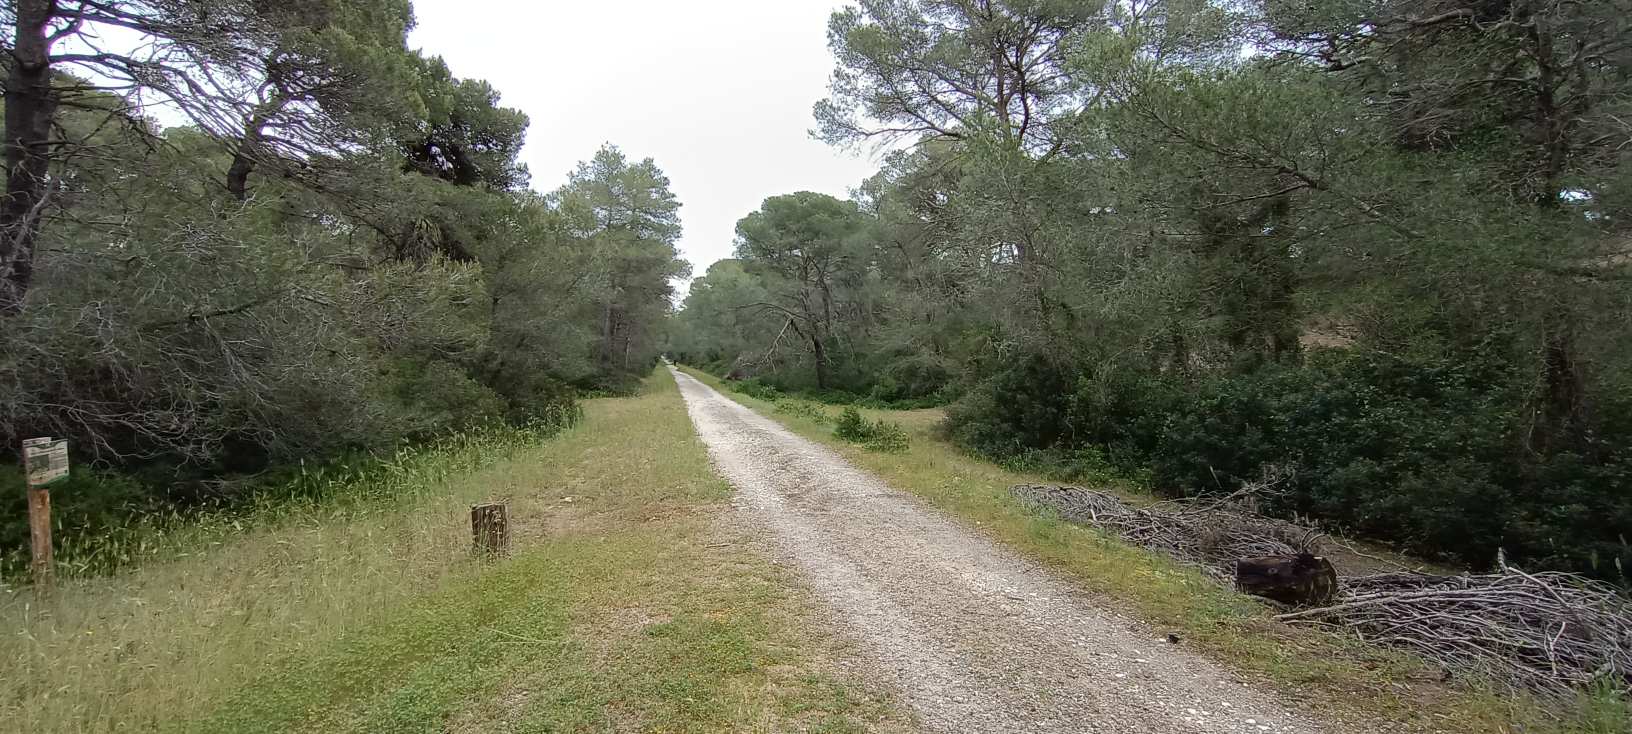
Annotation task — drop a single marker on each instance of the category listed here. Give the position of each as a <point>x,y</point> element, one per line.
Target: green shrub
<point>1018,409</point>
<point>851,427</point>
<point>804,410</point>
<point>875,435</point>
<point>888,437</point>
<point>1430,455</point>
<point>1423,455</point>
<point>1090,465</point>
<point>539,401</point>
<point>879,396</point>
<point>912,379</point>
<point>834,396</point>
<point>754,388</point>
<point>431,397</point>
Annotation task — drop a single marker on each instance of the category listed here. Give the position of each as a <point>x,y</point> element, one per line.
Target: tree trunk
<point>1300,580</point>
<point>618,344</point>
<point>1180,356</point>
<point>820,352</point>
<point>606,336</point>
<point>249,146</point>
<point>31,105</point>
<point>1563,410</point>
<point>626,340</point>
<point>243,162</point>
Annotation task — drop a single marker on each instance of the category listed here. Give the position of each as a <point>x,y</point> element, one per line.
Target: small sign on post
<point>44,461</point>
<point>47,460</point>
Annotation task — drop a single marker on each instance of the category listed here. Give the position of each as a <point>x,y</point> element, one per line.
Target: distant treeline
<point>1380,249</point>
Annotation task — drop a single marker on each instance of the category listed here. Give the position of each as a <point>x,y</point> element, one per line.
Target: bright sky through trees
<point>719,93</point>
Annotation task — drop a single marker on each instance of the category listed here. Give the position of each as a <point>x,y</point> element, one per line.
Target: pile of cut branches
<point>1551,632</point>
<point>1212,535</point>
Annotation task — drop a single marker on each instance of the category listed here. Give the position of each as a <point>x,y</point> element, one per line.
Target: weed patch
<point>810,411</point>
<point>875,435</point>
<point>755,389</point>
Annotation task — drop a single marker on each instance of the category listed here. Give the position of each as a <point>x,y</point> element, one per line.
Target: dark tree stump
<point>1300,580</point>
<point>490,528</point>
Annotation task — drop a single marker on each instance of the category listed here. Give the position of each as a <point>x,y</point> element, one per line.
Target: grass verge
<point>626,605</point>
<point>1324,672</point>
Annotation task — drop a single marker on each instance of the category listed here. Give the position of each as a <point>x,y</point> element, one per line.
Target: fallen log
<point>1299,580</point>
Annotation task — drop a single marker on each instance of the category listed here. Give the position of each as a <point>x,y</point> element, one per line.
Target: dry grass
<point>626,605</point>
<point>1323,672</point>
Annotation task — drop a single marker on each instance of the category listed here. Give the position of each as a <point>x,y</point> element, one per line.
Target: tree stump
<point>490,528</point>
<point>1300,580</point>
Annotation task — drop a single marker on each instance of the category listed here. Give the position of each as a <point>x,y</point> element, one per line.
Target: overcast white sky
<point>717,92</point>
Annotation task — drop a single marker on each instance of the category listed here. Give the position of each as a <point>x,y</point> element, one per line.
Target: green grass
<point>107,534</point>
<point>1329,672</point>
<point>804,408</point>
<point>627,604</point>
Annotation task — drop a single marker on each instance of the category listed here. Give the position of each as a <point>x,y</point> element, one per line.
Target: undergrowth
<point>1428,455</point>
<point>105,521</point>
<point>804,409</point>
<point>761,390</point>
<point>875,435</point>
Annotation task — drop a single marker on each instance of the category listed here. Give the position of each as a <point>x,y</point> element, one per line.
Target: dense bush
<point>875,435</point>
<point>755,389</point>
<point>1427,455</point>
<point>851,426</point>
<point>536,397</point>
<point>437,396</point>
<point>764,389</point>
<point>915,380</point>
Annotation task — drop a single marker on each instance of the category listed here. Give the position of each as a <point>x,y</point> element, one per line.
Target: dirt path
<point>973,637</point>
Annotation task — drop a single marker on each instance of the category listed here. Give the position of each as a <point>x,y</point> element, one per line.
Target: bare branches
<point>1550,632</point>
<point>1211,536</point>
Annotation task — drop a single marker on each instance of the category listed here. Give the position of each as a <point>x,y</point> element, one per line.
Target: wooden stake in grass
<point>490,528</point>
<point>44,461</point>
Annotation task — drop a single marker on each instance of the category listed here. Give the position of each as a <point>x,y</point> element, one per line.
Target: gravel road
<point>968,634</point>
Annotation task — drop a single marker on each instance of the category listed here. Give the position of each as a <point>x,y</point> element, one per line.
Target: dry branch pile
<point>1549,632</point>
<point>1212,536</point>
<point>1545,631</point>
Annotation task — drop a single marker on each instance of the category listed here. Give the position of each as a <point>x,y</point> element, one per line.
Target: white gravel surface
<point>970,635</point>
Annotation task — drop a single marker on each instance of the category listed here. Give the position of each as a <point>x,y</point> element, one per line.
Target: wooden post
<point>39,530</point>
<point>44,461</point>
<point>490,528</point>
